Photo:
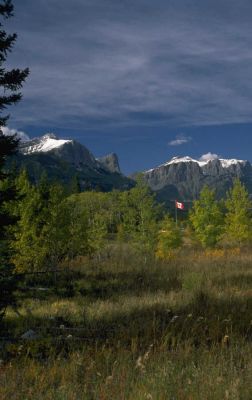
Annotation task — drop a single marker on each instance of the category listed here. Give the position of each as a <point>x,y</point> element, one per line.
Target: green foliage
<point>55,230</point>
<point>130,215</point>
<point>75,185</point>
<point>140,213</point>
<point>10,82</point>
<point>40,234</point>
<point>169,238</point>
<point>193,281</point>
<point>207,218</point>
<point>94,214</point>
<point>238,229</point>
<point>28,250</point>
<point>52,227</point>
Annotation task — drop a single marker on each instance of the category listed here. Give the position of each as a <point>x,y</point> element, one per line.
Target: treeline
<point>53,226</point>
<point>223,223</point>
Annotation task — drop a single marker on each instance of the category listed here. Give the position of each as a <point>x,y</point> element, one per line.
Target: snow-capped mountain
<point>46,143</point>
<point>69,150</point>
<point>225,163</point>
<point>179,178</point>
<point>63,159</point>
<point>184,177</point>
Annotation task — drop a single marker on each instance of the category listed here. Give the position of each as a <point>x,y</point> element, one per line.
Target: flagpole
<point>176,213</point>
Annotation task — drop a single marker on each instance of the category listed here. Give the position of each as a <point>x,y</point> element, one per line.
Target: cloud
<point>209,156</point>
<point>11,132</point>
<point>129,63</point>
<point>180,139</point>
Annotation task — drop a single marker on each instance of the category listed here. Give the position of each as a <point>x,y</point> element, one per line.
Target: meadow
<point>122,327</point>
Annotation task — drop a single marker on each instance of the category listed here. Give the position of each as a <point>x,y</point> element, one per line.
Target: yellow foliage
<point>164,254</point>
<point>215,253</point>
<point>236,251</point>
<point>222,253</point>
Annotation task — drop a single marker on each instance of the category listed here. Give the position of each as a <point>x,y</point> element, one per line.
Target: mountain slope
<point>63,160</point>
<point>110,162</point>
<point>183,178</point>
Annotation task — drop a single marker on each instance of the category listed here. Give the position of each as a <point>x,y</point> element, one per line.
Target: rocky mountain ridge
<point>184,177</point>
<point>180,178</point>
<point>64,159</point>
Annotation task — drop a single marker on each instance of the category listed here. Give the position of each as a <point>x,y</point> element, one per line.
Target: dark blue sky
<point>146,79</point>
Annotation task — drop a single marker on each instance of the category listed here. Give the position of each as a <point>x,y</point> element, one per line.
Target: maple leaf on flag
<point>180,206</point>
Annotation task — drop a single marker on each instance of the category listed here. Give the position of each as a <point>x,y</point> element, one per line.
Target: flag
<point>180,206</point>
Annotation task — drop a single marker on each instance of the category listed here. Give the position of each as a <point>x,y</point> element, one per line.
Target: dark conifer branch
<point>11,82</point>
<point>6,9</point>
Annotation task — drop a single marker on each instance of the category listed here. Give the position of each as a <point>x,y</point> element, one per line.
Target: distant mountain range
<point>181,178</point>
<point>64,160</point>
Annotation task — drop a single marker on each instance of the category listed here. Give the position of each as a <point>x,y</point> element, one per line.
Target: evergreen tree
<point>237,221</point>
<point>41,236</point>
<point>26,245</point>
<point>10,82</point>
<point>7,194</point>
<point>207,218</point>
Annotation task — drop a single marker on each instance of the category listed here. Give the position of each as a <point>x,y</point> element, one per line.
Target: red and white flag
<point>180,206</point>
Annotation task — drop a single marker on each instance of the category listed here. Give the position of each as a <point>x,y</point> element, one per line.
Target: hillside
<point>64,160</point>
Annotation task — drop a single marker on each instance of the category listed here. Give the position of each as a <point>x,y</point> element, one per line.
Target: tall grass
<point>128,329</point>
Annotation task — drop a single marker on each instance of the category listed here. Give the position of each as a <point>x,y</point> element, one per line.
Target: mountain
<point>64,160</point>
<point>110,162</point>
<point>183,177</point>
<point>71,151</point>
<point>180,178</point>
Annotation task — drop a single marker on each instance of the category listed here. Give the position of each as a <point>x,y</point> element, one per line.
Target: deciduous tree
<point>207,218</point>
<point>169,238</point>
<point>237,229</point>
<point>139,217</point>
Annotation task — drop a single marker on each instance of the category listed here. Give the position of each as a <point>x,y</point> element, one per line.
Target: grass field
<point>122,328</point>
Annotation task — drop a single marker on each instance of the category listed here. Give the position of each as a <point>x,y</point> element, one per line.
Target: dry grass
<point>130,330</point>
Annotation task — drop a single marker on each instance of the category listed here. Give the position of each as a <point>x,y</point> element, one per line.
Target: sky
<point>146,79</point>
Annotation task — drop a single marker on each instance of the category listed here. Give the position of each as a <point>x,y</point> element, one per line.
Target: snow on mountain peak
<point>46,143</point>
<point>226,163</point>
<point>233,161</point>
<point>176,160</point>
<point>50,135</point>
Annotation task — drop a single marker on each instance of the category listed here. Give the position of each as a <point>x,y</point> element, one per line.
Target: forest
<point>55,225</point>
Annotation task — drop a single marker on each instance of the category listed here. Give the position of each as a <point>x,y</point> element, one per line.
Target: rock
<point>64,159</point>
<point>183,178</point>
<point>29,335</point>
<point>69,337</point>
<point>110,162</point>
